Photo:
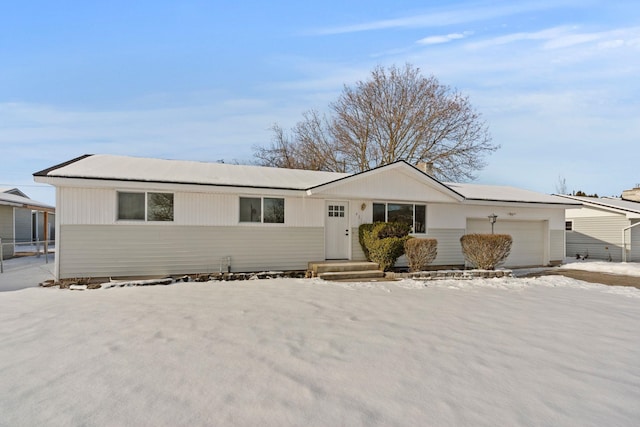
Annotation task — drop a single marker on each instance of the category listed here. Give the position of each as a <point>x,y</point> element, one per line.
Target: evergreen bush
<point>384,243</point>
<point>361,231</point>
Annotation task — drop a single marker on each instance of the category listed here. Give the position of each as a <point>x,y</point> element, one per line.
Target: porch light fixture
<point>492,219</point>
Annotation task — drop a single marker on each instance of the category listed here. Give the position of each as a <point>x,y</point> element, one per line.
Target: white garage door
<point>528,239</point>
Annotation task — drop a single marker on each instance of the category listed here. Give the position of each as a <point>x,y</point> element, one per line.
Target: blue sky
<point>557,81</point>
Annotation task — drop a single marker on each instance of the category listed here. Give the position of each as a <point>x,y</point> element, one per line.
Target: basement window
<point>140,206</point>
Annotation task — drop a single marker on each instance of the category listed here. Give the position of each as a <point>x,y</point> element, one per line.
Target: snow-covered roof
<point>12,190</point>
<point>612,203</point>
<point>501,193</point>
<point>10,199</point>
<point>123,168</point>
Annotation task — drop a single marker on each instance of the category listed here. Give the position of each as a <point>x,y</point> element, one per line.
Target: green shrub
<point>486,251</point>
<point>384,250</point>
<point>361,230</point>
<point>420,253</point>
<point>394,229</point>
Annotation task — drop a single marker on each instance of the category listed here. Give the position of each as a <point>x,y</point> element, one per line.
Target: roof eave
<point>599,205</point>
<point>45,172</point>
<point>529,203</point>
<point>62,180</point>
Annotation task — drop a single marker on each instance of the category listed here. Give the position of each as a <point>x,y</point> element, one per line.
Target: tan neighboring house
<point>632,195</point>
<point>605,228</point>
<point>129,216</point>
<point>23,220</point>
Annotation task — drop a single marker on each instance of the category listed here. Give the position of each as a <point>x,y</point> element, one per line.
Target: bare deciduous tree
<point>395,115</point>
<point>561,185</point>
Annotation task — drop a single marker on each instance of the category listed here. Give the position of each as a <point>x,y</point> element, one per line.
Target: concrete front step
<point>340,266</point>
<point>352,275</point>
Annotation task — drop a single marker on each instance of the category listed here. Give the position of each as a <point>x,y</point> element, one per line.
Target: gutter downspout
<point>624,241</point>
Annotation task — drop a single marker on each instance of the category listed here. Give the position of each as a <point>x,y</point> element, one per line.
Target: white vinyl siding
<point>556,245</point>
<point>599,236</point>
<point>356,250</point>
<point>206,209</point>
<point>449,249</point>
<point>154,249</point>
<point>528,248</point>
<point>86,205</point>
<point>389,185</point>
<point>99,206</point>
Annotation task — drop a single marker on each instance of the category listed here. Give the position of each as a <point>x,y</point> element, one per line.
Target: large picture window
<point>268,210</point>
<point>145,206</point>
<point>413,215</point>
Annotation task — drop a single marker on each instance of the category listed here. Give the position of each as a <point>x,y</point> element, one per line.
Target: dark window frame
<point>376,215</point>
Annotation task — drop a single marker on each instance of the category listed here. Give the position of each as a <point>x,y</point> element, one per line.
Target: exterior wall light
<point>492,219</point>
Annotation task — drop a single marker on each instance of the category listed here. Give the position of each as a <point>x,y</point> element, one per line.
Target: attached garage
<point>529,239</point>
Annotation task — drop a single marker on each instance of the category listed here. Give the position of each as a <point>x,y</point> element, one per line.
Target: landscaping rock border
<point>85,283</point>
<point>451,274</point>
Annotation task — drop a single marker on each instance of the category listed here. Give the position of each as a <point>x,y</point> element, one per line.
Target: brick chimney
<point>426,167</point>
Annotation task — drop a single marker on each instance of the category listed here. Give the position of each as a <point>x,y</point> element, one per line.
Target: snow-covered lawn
<point>624,268</point>
<point>550,351</point>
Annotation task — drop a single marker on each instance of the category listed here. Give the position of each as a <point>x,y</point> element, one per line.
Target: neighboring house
<point>632,195</point>
<point>126,216</point>
<point>22,220</point>
<point>602,227</point>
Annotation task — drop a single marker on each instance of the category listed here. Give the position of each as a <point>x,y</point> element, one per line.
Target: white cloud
<point>564,37</point>
<point>442,39</point>
<point>454,15</point>
<point>611,44</point>
<point>546,34</point>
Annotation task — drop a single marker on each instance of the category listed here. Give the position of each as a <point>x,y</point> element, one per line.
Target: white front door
<point>336,228</point>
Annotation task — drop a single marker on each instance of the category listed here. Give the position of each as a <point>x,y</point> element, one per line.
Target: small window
<point>379,212</point>
<point>141,206</point>
<point>420,219</point>
<point>273,210</point>
<point>159,207</point>
<point>568,225</point>
<point>131,206</point>
<point>268,210</point>
<point>250,209</point>
<point>336,211</point>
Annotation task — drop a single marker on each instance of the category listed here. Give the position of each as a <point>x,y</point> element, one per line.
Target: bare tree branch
<point>395,114</point>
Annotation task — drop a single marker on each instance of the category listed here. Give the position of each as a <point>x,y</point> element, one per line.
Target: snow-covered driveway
<point>517,352</point>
